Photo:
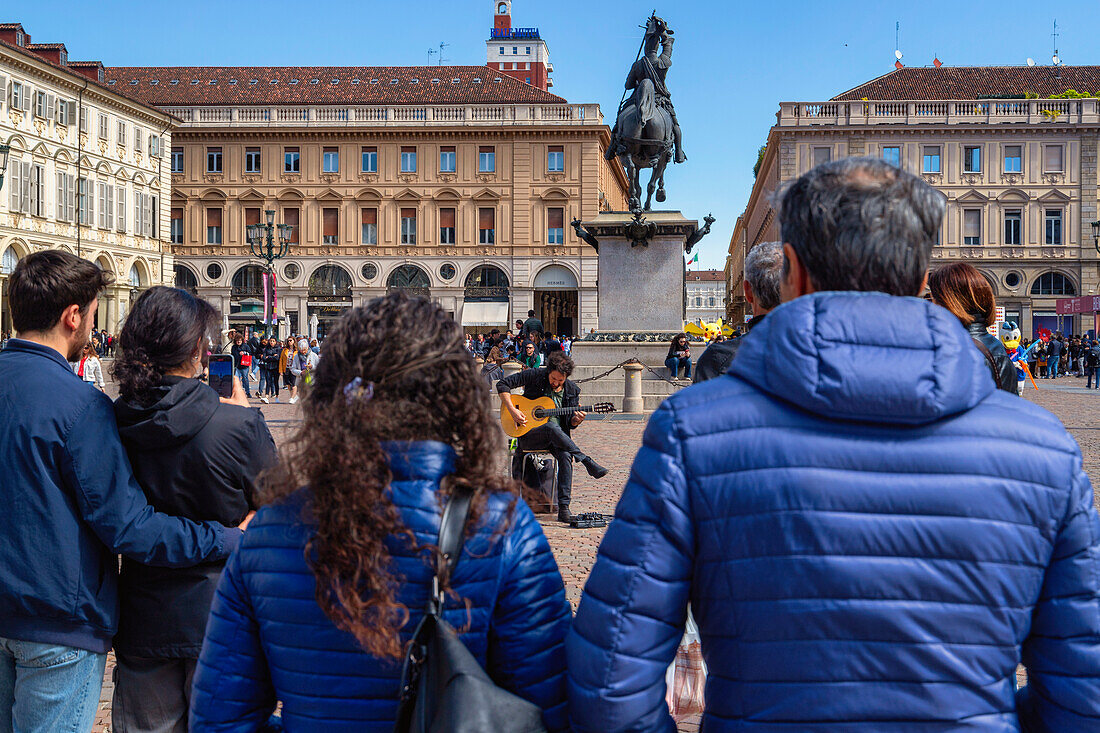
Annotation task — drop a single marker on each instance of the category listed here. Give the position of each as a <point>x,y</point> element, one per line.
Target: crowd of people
<point>869,533</point>
<point>529,344</point>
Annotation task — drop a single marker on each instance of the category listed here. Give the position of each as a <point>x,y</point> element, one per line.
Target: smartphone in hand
<point>221,374</point>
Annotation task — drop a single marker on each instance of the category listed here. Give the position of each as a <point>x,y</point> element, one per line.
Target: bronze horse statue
<point>646,131</point>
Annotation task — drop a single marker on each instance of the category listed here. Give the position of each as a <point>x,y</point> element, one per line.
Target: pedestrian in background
<point>872,536</point>
<point>530,359</point>
<point>242,361</point>
<point>194,456</point>
<point>301,366</point>
<point>71,506</point>
<point>316,608</point>
<point>89,368</point>
<point>271,355</point>
<point>679,357</point>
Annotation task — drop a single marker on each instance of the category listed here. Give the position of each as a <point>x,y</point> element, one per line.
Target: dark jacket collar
<point>30,347</point>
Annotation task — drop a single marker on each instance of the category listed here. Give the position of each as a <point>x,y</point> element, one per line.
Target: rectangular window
<point>292,160</point>
<point>370,226</point>
<point>139,213</point>
<point>40,104</point>
<point>822,155</point>
<point>330,160</point>
<point>486,226</point>
<point>892,155</point>
<point>330,225</point>
<point>1014,224</point>
<point>251,160</point>
<point>213,226</point>
<point>213,160</point>
<point>84,206</point>
<point>121,138</point>
<point>447,159</point>
<point>137,139</point>
<point>555,158</point>
<point>105,213</point>
<point>972,226</point>
<point>177,226</point>
<point>120,224</point>
<point>555,219</point>
<point>63,117</point>
<point>103,127</point>
<point>1053,161</point>
<point>370,159</point>
<point>486,159</point>
<point>292,217</point>
<point>83,118</point>
<point>251,216</point>
<point>1014,158</point>
<point>18,95</point>
<point>446,226</point>
<point>408,225</point>
<point>16,183</point>
<point>931,159</point>
<point>1052,221</point>
<point>972,159</point>
<point>154,146</point>
<point>177,160</point>
<point>408,159</point>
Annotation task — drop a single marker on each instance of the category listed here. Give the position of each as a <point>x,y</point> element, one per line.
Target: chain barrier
<point>612,370</point>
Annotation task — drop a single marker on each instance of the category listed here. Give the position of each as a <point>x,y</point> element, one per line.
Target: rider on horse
<point>655,68</point>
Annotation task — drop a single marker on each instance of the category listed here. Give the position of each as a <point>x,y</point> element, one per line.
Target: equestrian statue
<point>646,133</point>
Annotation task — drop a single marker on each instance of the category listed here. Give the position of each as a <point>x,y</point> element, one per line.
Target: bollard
<point>632,393</point>
<point>511,367</point>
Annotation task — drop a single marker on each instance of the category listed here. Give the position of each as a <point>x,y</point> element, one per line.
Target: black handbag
<point>443,688</point>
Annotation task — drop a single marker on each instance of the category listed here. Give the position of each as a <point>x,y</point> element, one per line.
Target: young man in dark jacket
<point>555,436</point>
<point>873,536</point>
<point>763,270</point>
<point>71,506</point>
<point>531,326</point>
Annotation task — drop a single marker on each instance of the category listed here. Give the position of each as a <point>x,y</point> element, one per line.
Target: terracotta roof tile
<point>971,82</point>
<point>290,85</point>
<point>705,275</point>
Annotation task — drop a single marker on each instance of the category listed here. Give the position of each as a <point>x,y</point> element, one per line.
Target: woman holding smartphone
<point>195,456</point>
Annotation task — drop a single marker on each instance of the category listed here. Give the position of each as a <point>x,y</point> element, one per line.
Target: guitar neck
<point>563,411</point>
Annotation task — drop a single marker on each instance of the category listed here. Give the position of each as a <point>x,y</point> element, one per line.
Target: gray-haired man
<point>763,272</point>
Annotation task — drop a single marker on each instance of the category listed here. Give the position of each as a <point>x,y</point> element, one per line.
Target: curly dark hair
<point>159,336</point>
<point>426,387</point>
<point>559,361</point>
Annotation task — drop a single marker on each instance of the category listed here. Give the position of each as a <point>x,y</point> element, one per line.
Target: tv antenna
<point>1057,61</point>
<point>431,52</point>
<point>442,45</point>
<point>897,45</point>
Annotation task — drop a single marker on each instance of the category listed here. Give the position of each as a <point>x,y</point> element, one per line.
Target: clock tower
<point>517,52</point>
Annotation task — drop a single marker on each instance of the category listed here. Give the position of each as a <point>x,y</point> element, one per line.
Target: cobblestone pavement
<point>613,442</point>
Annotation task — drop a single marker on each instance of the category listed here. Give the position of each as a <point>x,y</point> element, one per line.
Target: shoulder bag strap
<point>989,360</point>
<point>451,528</point>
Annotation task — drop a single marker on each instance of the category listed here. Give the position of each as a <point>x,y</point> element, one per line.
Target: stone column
<point>632,392</point>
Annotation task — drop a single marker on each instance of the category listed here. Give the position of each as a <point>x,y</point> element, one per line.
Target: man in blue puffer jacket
<point>871,538</point>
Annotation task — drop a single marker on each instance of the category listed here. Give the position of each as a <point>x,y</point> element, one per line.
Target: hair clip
<point>355,390</point>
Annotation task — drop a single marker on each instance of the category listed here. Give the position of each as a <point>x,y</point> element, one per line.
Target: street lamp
<point>261,243</point>
<point>4,150</point>
<point>1096,235</point>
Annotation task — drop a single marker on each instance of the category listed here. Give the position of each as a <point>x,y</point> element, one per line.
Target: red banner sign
<point>1069,306</point>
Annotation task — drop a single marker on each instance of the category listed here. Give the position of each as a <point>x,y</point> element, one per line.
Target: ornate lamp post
<point>4,150</point>
<point>261,243</point>
<point>1096,235</point>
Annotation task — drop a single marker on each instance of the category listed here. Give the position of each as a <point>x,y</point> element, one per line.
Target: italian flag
<point>694,259</point>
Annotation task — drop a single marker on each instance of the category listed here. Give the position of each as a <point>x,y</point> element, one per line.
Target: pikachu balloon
<point>708,330</point>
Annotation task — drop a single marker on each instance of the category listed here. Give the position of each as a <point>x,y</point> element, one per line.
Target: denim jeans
<point>1052,366</point>
<point>242,374</point>
<point>46,688</point>
<point>1090,372</point>
<point>260,385</point>
<point>675,364</point>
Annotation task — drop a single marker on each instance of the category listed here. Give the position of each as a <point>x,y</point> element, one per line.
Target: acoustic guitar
<point>539,411</point>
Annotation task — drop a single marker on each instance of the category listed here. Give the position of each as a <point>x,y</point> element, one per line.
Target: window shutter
<point>13,95</point>
<point>121,209</point>
<point>557,218</point>
<point>26,99</point>
<point>148,204</point>
<point>485,218</point>
<point>16,185</point>
<point>101,191</point>
<point>90,198</point>
<point>330,222</point>
<point>33,202</point>
<point>3,85</point>
<point>51,106</point>
<point>107,213</point>
<point>60,196</point>
<point>25,197</point>
<point>83,115</point>
<point>446,218</point>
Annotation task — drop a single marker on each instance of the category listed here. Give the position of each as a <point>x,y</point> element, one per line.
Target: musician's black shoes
<point>594,469</point>
<point>564,515</point>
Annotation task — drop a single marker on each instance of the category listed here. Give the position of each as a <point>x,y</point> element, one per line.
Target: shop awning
<point>484,314</point>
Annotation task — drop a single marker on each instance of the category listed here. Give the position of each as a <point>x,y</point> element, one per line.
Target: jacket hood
<point>183,408</point>
<point>867,357</point>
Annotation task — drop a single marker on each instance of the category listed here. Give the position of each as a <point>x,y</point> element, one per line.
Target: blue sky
<point>734,62</point>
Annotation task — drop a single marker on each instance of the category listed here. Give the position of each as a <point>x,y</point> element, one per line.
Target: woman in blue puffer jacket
<point>315,608</point>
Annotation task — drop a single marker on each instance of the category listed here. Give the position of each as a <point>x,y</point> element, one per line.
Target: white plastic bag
<point>686,678</point>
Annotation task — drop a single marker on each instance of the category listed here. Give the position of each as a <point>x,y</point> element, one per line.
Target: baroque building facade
<point>455,182</point>
<point>86,172</point>
<point>704,295</point>
<point>1016,168</point>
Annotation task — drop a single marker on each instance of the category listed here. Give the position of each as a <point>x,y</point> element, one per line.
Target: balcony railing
<point>389,115</point>
<point>950,112</point>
